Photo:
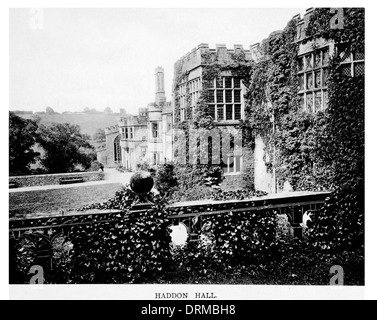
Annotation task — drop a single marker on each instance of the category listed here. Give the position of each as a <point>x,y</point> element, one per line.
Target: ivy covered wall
<point>322,150</point>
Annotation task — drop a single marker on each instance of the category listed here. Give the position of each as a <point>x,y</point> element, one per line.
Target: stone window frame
<point>350,60</point>
<point>230,167</point>
<point>233,165</point>
<point>155,132</point>
<point>222,101</point>
<point>309,67</point>
<point>182,101</point>
<point>117,150</point>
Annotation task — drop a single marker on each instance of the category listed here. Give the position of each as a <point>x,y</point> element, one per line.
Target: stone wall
<point>111,134</point>
<point>53,179</point>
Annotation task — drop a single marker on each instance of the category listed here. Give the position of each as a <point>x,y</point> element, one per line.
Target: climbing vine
<point>200,116</point>
<point>315,151</point>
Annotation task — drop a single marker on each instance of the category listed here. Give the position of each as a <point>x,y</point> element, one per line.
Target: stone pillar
<point>160,86</point>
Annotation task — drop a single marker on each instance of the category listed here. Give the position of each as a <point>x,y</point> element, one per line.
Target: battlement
<point>134,120</point>
<point>302,23</point>
<point>194,58</point>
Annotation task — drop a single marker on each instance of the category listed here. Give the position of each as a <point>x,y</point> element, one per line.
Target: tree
<point>108,110</point>
<point>49,110</point>
<point>100,135</point>
<point>22,137</point>
<point>65,146</point>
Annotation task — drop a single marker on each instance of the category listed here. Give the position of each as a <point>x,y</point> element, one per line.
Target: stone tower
<point>160,86</point>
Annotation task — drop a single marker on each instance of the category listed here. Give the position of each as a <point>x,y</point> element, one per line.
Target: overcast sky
<point>98,58</point>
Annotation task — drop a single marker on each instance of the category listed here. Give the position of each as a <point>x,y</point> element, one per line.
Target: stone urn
<point>141,183</point>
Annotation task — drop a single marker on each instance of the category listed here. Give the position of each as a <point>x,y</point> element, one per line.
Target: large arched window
<point>117,150</point>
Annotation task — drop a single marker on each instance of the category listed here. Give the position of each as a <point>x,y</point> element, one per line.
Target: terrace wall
<point>52,179</point>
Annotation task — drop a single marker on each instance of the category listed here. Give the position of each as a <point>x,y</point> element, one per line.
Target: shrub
<point>129,248</point>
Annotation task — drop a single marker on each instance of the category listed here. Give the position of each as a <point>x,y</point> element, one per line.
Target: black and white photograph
<point>186,151</point>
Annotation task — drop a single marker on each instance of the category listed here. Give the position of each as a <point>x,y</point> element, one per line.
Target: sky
<point>70,59</point>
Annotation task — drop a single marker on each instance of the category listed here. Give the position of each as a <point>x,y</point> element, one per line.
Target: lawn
<point>56,200</point>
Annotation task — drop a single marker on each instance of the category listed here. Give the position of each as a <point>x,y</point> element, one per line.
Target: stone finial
<point>141,182</point>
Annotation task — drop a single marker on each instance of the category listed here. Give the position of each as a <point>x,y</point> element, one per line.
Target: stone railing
<point>42,235</point>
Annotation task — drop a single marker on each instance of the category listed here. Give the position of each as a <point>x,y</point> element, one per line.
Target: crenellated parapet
<point>197,56</point>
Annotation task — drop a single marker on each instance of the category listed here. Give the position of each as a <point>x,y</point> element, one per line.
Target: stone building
<point>109,151</point>
<point>145,137</point>
<point>226,107</point>
<point>148,135</point>
<point>314,58</point>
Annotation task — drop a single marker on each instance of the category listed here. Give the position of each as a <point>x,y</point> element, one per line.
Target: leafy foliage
<point>322,151</point>
<point>341,224</point>
<point>23,135</point>
<point>65,146</point>
<point>127,249</point>
<point>99,135</point>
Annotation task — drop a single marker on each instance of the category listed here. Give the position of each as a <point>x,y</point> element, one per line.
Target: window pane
<point>220,95</point>
<point>309,81</point>
<point>301,82</point>
<point>317,80</point>
<point>237,111</point>
<point>229,112</point>
<point>228,96</point>
<point>325,57</point>
<point>238,164</point>
<point>345,54</point>
<point>359,69</point>
<point>219,83</point>
<point>237,82</point>
<point>300,64</point>
<point>231,164</point>
<point>325,74</point>
<point>359,55</point>
<point>212,110</point>
<point>308,60</point>
<point>211,96</point>
<point>317,59</point>
<point>228,82</point>
<point>309,102</point>
<point>318,101</point>
<point>220,112</point>
<point>325,99</point>
<point>346,70</point>
<point>237,95</point>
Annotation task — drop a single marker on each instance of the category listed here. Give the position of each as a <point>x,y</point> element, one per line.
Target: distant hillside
<point>89,123</point>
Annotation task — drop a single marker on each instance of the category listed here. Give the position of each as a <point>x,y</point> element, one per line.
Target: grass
<point>56,200</point>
